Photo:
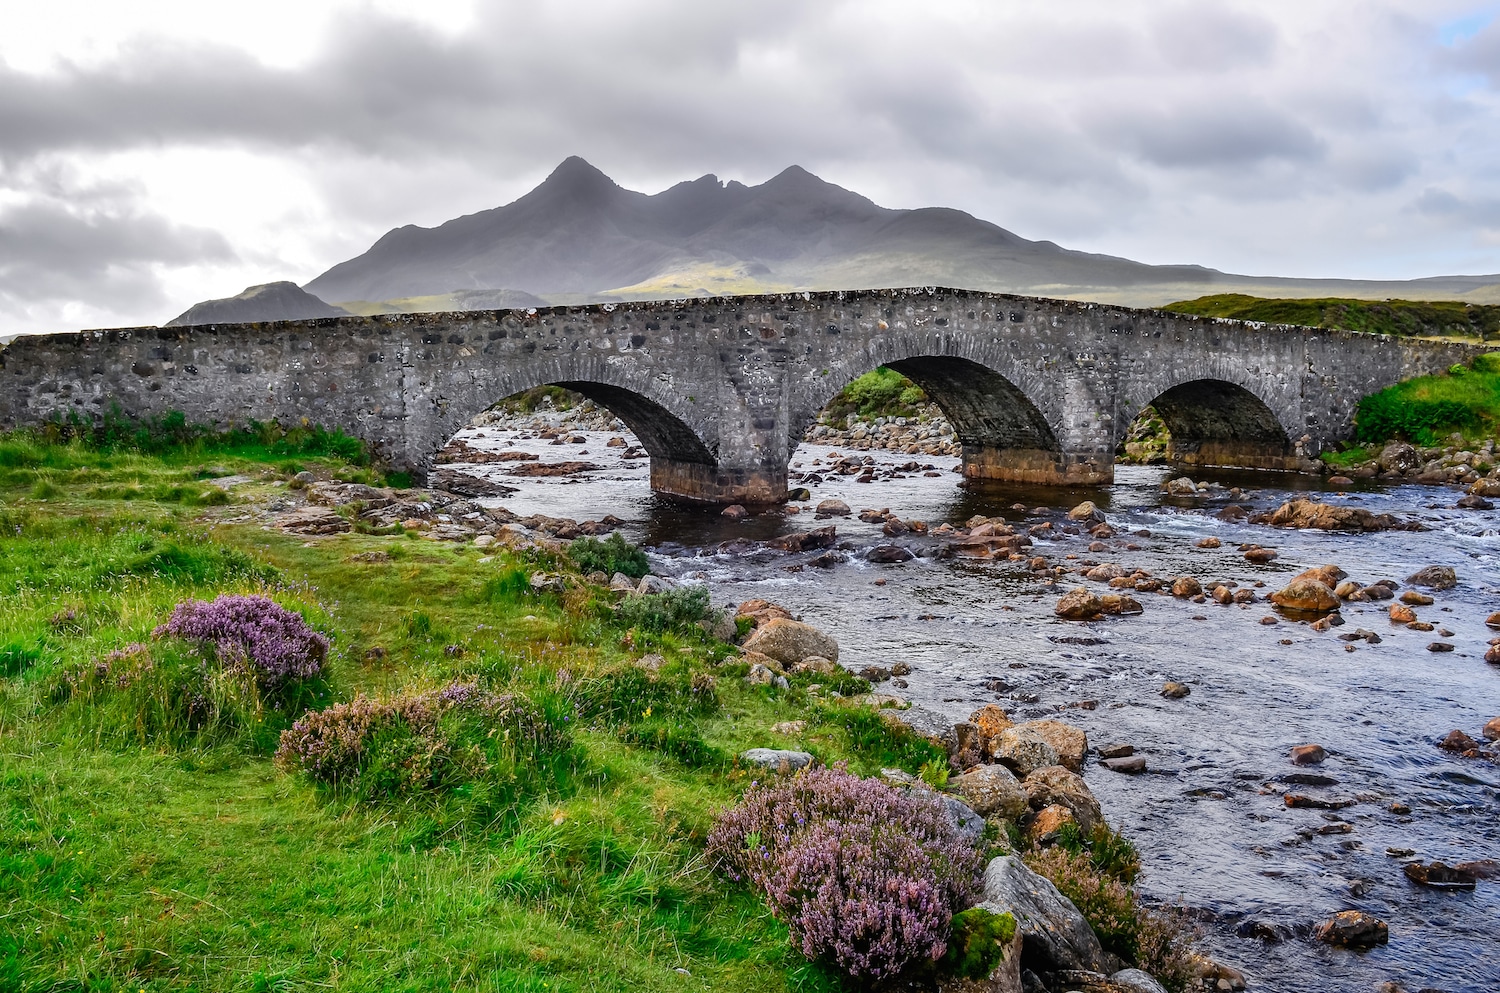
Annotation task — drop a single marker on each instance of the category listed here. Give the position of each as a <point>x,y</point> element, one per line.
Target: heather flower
<point>864,875</point>
<point>254,631</point>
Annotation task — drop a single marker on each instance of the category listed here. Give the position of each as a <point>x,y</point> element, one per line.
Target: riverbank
<point>158,802</point>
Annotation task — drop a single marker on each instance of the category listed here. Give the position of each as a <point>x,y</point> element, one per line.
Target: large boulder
<point>1303,513</point>
<point>761,611</point>
<point>1087,513</point>
<point>1079,605</point>
<point>789,642</point>
<point>1434,577</point>
<point>992,790</point>
<point>1022,751</point>
<point>1070,743</point>
<point>1055,784</point>
<point>1053,930</point>
<point>1306,595</point>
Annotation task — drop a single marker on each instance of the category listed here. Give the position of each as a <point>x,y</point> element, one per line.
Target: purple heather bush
<point>276,644</point>
<point>865,876</point>
<point>422,742</point>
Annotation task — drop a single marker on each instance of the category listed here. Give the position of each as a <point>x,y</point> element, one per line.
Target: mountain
<point>283,301</point>
<point>579,237</point>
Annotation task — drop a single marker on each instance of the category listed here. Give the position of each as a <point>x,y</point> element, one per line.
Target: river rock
<point>782,761</point>
<point>1303,513</point>
<point>1457,741</point>
<point>806,541</point>
<point>761,611</point>
<point>1435,577</point>
<point>1378,591</point>
<point>1414,599</point>
<point>833,508</point>
<point>1440,646</point>
<point>1439,876</point>
<point>1209,542</point>
<point>1079,605</point>
<point>1400,457</point>
<point>1260,556</point>
<point>992,790</point>
<point>789,642</point>
<point>1130,765</point>
<point>1353,929</point>
<point>1174,690</point>
<point>1120,603</point>
<point>1104,573</point>
<point>1402,614</point>
<point>1492,729</point>
<point>1055,784</point>
<point>1186,586</point>
<point>1308,754</point>
<point>1052,928</point>
<point>817,665</point>
<point>1307,595</point>
<point>1136,981</point>
<point>1087,512</point>
<point>1048,821</point>
<point>1492,621</point>
<point>990,719</point>
<point>1181,486</point>
<point>1116,751</point>
<point>888,554</point>
<point>735,512</point>
<point>1022,750</point>
<point>1070,743</point>
<point>965,820</point>
<point>1328,575</point>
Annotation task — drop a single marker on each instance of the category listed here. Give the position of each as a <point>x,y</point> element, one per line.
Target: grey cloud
<point>93,247</point>
<point>1212,38</point>
<point>1232,134</point>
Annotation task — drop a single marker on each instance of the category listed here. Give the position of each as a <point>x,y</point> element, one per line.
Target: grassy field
<point>144,851</point>
<point>1442,318</point>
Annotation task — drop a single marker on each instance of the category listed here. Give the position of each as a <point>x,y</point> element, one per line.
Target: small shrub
<point>613,554</point>
<point>275,643</point>
<point>866,877</point>
<point>670,610</point>
<point>1106,903</point>
<point>444,740</point>
<point>1108,851</point>
<point>976,942</point>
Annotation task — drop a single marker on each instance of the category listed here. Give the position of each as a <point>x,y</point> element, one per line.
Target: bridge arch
<point>1009,424</point>
<point>1215,422</point>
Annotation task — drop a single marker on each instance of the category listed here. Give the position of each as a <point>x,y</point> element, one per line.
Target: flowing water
<point>1214,832</point>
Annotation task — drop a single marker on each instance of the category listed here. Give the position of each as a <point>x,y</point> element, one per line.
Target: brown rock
<point>1174,690</point>
<point>1492,621</point>
<point>1222,594</point>
<point>1328,575</point>
<point>1414,599</point>
<point>1079,605</point>
<point>1308,754</point>
<point>1086,511</point>
<point>1492,655</point>
<point>789,642</point>
<point>1023,751</point>
<point>1130,765</point>
<point>1186,586</point>
<point>1457,741</point>
<point>1070,743</point>
<point>1117,751</point>
<point>761,611</point>
<point>1435,577</point>
<point>990,720</point>
<point>735,512</point>
<point>1402,614</point>
<point>833,508</point>
<point>1438,876</point>
<point>1353,929</point>
<point>1056,785</point>
<point>991,790</point>
<point>1120,603</point>
<point>1420,626</point>
<point>1260,555</point>
<point>1492,729</point>
<point>1208,542</point>
<point>1303,513</point>
<point>1105,572</point>
<point>1440,646</point>
<point>1306,595</point>
<point>1047,822</point>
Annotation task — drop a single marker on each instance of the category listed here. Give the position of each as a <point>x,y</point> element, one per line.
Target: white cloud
<point>279,138</point>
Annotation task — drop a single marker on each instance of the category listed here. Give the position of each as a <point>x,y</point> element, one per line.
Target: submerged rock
<point>1303,513</point>
<point>1079,605</point>
<point>1353,929</point>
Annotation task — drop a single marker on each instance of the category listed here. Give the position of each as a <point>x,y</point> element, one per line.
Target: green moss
<point>880,392</point>
<point>977,942</point>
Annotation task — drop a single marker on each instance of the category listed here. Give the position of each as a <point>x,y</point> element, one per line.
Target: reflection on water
<point>1209,818</point>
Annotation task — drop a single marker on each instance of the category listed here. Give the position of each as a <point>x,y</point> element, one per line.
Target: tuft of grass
<point>880,392</point>
<point>613,554</point>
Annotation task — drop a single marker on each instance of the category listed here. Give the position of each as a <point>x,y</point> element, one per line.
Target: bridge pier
<point>1037,466</point>
<point>696,482</point>
<point>1236,454</point>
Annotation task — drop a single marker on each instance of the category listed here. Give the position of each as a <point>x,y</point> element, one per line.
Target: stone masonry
<point>720,390</point>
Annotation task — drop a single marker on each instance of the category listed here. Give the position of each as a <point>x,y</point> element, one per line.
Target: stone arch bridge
<point>721,390</point>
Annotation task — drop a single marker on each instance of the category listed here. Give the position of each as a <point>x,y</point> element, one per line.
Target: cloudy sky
<point>156,153</point>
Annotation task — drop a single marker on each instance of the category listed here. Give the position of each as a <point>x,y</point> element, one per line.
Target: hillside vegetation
<point>1444,318</point>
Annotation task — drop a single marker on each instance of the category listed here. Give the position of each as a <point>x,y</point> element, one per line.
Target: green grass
<point>1428,408</point>
<point>1398,317</point>
<point>140,854</point>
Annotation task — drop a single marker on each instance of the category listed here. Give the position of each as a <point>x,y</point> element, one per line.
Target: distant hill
<point>1399,317</point>
<point>283,301</point>
<point>579,237</point>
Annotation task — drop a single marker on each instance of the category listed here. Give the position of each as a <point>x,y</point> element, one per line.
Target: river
<point>1214,833</point>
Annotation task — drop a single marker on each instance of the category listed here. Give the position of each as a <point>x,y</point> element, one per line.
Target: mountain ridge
<point>580,237</point>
